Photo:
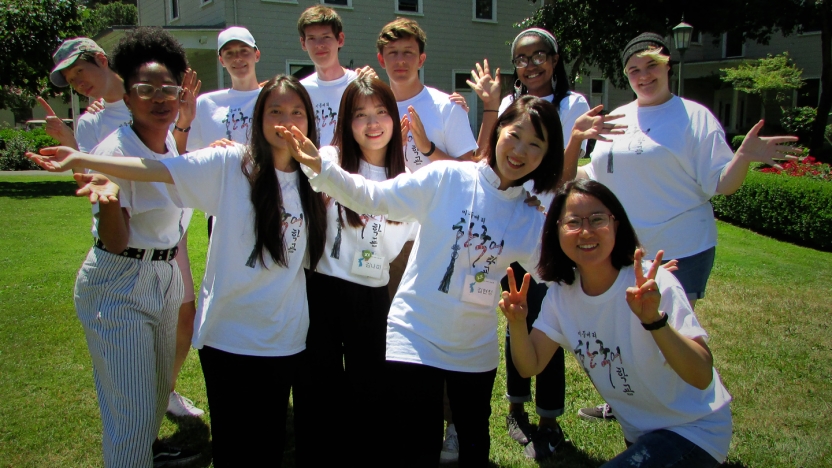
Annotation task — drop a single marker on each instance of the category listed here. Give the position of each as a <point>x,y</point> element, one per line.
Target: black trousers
<point>415,396</point>
<point>345,350</point>
<point>247,437</point>
<point>550,387</point>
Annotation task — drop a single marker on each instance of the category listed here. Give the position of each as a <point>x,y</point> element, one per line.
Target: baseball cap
<point>67,54</point>
<point>642,42</point>
<point>235,33</point>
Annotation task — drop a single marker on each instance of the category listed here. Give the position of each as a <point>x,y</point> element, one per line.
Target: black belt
<point>155,254</point>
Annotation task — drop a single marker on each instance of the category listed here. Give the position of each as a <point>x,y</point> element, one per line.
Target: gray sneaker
<point>545,443</point>
<point>519,427</point>
<point>601,412</point>
<point>450,447</point>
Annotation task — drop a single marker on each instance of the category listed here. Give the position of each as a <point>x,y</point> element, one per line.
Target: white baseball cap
<point>235,33</point>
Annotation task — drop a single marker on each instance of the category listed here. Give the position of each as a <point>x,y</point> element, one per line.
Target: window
<point>597,92</point>
<point>343,3</point>
<point>696,38</point>
<point>732,45</point>
<point>409,6</point>
<point>597,86</point>
<point>809,93</point>
<point>461,86</point>
<point>300,69</point>
<point>205,2</point>
<point>174,9</point>
<point>485,10</point>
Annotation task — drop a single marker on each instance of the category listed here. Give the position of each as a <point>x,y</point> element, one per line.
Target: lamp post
<point>681,36</point>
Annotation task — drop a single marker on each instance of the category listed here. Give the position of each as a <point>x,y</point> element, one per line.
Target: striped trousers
<point>128,309</point>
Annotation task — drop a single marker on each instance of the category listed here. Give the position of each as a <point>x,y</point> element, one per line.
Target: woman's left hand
<point>755,148</point>
<point>644,298</point>
<point>97,187</point>
<point>301,147</point>
<point>187,101</point>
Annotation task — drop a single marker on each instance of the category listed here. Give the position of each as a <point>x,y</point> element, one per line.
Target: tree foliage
<point>104,16</point>
<point>777,74</point>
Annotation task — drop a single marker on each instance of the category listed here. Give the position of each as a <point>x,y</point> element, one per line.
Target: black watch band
<point>660,323</point>
<point>431,150</point>
<point>183,130</point>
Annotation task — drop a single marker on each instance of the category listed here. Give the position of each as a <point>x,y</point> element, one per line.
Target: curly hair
<point>146,45</point>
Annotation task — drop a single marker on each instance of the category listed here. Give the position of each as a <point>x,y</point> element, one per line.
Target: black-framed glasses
<point>576,223</point>
<point>147,91</point>
<point>537,58</point>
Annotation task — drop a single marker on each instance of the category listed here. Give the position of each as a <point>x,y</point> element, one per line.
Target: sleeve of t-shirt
<point>199,175</point>
<point>675,304</point>
<point>504,104</point>
<point>547,321</point>
<point>85,134</point>
<point>711,153</point>
<point>406,198</point>
<point>578,108</point>
<point>459,139</point>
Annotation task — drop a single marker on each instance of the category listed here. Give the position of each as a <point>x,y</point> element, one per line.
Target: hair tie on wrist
<point>431,150</point>
<point>660,323</point>
<point>489,110</point>
<point>183,130</point>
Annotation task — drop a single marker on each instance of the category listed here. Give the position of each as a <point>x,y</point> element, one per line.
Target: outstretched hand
<point>594,125</point>
<point>513,302</point>
<point>485,85</point>
<point>300,146</point>
<point>54,158</point>
<point>644,298</point>
<point>755,148</point>
<point>187,101</point>
<point>97,187</point>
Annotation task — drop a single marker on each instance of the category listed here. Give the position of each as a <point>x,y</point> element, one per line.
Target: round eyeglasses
<point>576,223</point>
<point>147,91</point>
<point>537,58</point>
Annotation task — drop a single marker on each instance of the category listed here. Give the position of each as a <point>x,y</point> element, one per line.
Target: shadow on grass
<point>194,434</point>
<point>43,189</point>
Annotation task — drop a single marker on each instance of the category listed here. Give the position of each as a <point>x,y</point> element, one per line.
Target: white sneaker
<point>450,448</point>
<point>181,406</point>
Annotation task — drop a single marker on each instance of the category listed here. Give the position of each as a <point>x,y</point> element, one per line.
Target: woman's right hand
<point>97,187</point>
<point>513,303</point>
<point>487,87</point>
<point>593,125</point>
<point>56,158</point>
<point>301,147</point>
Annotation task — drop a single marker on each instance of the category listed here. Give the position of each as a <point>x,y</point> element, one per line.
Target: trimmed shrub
<point>798,121</point>
<point>790,208</point>
<point>736,142</point>
<point>15,143</point>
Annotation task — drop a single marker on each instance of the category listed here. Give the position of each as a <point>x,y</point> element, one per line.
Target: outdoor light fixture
<point>682,33</point>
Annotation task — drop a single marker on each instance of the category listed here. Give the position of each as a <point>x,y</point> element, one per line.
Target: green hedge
<point>791,208</point>
<point>14,143</point>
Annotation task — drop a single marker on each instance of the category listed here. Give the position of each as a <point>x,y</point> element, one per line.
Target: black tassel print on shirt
<point>445,285</point>
<point>252,259</point>
<point>336,246</point>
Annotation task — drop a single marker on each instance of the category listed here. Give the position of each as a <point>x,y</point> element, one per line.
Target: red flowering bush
<point>808,167</point>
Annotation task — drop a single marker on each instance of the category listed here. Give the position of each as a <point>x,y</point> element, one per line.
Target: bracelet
<point>431,150</point>
<point>183,130</point>
<point>490,110</point>
<point>660,323</point>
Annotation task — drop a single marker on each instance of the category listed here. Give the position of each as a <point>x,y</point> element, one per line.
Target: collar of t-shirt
<point>335,82</point>
<point>494,180</point>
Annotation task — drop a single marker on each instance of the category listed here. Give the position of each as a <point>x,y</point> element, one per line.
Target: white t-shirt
<point>156,222</point>
<point>326,99</point>
<point>665,169</point>
<point>468,226</point>
<point>226,113</point>
<point>93,128</point>
<point>446,125</point>
<point>627,367</point>
<point>378,236</point>
<point>244,307</point>
<point>569,109</point>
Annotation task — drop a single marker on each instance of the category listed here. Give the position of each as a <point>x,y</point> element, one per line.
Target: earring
<point>518,89</point>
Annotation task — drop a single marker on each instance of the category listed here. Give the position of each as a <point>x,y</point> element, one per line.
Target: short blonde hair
<point>654,53</point>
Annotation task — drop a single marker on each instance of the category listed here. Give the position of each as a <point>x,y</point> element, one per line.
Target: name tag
<point>365,263</point>
<point>480,292</point>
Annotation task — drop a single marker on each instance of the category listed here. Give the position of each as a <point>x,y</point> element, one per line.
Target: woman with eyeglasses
<point>630,327</point>
<point>538,71</point>
<point>129,289</point>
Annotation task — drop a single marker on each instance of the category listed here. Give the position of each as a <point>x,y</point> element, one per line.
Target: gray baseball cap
<point>67,54</point>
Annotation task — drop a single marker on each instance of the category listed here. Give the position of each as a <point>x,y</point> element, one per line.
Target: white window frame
<point>348,6</point>
<point>292,2</point>
<point>696,39</point>
<point>172,18</point>
<point>725,48</point>
<point>604,92</point>
<point>482,20</point>
<point>470,97</point>
<point>421,11</point>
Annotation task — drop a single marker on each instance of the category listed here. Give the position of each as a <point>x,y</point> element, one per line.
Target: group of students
<point>314,210</point>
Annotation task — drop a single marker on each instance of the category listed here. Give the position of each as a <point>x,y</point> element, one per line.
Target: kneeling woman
<point>474,223</point>
<point>636,337</point>
<point>253,316</point>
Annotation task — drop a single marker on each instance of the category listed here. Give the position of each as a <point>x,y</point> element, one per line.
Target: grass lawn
<point>767,312</point>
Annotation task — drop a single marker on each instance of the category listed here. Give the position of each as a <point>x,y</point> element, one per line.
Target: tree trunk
<point>576,67</point>
<point>825,104</point>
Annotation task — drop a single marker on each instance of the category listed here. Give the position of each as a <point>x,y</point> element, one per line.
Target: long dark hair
<point>554,264</point>
<point>258,167</point>
<point>349,150</point>
<point>543,115</point>
<point>561,85</point>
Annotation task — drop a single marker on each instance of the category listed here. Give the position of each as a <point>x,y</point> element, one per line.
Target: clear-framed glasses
<point>576,223</point>
<point>537,58</point>
<point>147,91</point>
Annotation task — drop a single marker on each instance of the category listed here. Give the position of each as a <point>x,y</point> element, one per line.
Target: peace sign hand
<point>767,149</point>
<point>513,304</point>
<point>644,298</point>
